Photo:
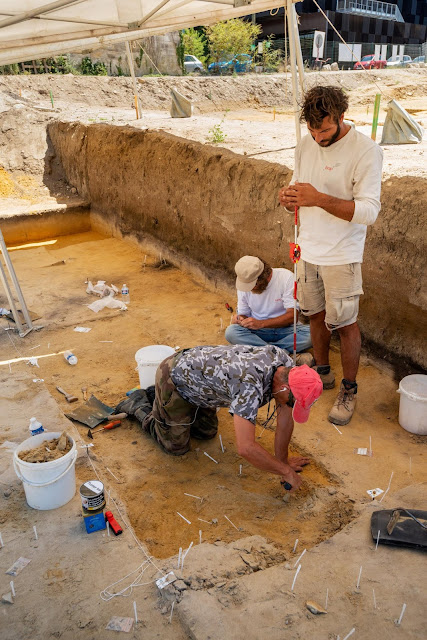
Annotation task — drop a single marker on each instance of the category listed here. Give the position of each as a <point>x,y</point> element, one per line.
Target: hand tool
<point>92,413</point>
<point>110,425</point>
<point>68,396</point>
<point>113,523</point>
<point>286,485</point>
<point>84,392</point>
<point>227,306</point>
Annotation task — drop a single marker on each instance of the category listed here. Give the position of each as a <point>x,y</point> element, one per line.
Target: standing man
<point>336,186</point>
<point>192,383</point>
<point>265,307</point>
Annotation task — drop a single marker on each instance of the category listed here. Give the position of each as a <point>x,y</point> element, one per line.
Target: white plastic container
<point>47,485</point>
<point>147,361</point>
<point>413,404</point>
<point>35,427</point>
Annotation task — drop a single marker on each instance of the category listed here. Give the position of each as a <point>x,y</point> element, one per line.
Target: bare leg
<point>350,350</point>
<point>320,337</point>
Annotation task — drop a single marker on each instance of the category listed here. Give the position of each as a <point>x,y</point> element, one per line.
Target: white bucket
<point>148,359</point>
<point>47,485</point>
<point>413,404</point>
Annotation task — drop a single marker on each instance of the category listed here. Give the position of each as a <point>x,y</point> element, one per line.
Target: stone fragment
<point>8,598</point>
<point>180,585</point>
<point>314,607</point>
<point>332,491</point>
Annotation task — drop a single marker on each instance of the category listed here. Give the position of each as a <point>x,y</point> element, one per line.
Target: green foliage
<point>60,64</point>
<point>10,69</point>
<point>195,44</point>
<point>138,59</point>
<point>216,133</point>
<point>230,37</point>
<point>270,58</point>
<point>88,68</point>
<point>180,52</point>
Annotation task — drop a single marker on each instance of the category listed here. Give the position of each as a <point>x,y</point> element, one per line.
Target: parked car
<point>398,61</point>
<point>419,59</point>
<point>192,64</point>
<point>370,62</point>
<point>239,63</point>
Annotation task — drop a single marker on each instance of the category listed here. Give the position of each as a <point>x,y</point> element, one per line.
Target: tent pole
<point>291,35</point>
<point>299,52</point>
<point>132,73</point>
<point>30,327</point>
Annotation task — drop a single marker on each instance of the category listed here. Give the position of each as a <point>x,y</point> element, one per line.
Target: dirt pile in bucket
<point>48,450</point>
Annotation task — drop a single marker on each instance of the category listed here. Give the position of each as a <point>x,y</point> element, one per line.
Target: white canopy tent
<point>31,29</point>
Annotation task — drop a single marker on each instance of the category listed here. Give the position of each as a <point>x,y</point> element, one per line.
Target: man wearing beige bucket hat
<point>265,307</point>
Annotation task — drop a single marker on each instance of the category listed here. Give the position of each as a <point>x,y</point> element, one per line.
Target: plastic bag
<point>109,302</point>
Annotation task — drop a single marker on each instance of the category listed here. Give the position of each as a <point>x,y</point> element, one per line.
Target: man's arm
<point>284,430</point>
<point>284,320</point>
<point>256,455</point>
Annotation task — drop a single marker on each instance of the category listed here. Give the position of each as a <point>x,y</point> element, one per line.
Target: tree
<point>194,44</point>
<point>230,37</point>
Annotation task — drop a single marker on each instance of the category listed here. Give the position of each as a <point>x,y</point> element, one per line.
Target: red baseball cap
<point>306,387</point>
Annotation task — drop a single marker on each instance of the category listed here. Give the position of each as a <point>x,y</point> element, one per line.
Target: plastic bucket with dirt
<point>147,361</point>
<point>47,485</point>
<point>413,404</point>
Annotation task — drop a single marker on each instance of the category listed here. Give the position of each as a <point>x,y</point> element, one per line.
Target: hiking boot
<point>328,379</point>
<point>343,409</point>
<point>305,358</point>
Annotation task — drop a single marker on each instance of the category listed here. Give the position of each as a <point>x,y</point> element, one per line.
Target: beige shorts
<point>335,289</point>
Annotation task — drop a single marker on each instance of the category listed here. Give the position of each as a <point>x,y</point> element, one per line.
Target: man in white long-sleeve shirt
<point>336,186</point>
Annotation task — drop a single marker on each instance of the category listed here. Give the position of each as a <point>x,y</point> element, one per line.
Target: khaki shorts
<point>335,289</point>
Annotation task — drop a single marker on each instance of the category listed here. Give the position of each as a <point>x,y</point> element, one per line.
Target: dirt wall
<point>213,206</point>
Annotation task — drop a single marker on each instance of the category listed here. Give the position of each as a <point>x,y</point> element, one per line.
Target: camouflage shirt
<point>235,376</point>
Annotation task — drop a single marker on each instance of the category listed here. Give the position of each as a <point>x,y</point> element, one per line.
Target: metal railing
<point>371,8</point>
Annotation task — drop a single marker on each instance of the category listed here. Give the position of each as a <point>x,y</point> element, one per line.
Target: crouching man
<point>192,383</point>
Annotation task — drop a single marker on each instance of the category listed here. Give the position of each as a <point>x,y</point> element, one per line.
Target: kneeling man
<point>192,383</point>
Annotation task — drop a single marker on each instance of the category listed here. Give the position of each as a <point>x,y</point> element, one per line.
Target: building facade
<point>399,25</point>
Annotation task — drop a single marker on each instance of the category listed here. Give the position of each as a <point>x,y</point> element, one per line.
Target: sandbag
<point>181,107</point>
<point>400,127</point>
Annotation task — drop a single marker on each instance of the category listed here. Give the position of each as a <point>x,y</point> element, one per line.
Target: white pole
<point>132,73</point>
<point>291,32</point>
<point>298,52</point>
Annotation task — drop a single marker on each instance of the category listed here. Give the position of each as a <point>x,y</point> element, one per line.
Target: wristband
<point>286,485</point>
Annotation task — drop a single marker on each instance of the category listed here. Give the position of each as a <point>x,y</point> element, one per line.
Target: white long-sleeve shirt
<point>349,169</point>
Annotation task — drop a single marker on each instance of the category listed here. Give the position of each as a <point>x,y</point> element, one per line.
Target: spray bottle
<point>35,427</point>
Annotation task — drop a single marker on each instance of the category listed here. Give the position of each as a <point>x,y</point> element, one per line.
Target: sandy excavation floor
<point>237,583</point>
<point>170,307</point>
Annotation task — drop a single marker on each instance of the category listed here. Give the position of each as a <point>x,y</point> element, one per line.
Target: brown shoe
<point>343,409</point>
<point>305,358</point>
<point>328,379</point>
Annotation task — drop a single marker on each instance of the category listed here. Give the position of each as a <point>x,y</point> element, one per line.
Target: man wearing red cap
<point>193,383</point>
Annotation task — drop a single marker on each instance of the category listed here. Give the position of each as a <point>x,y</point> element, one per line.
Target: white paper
<point>375,492</point>
<point>168,579</point>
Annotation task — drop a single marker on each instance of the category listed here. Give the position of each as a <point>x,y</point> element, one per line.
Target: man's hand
<point>251,323</point>
<point>293,479</point>
<point>301,194</point>
<point>298,463</point>
<point>235,319</point>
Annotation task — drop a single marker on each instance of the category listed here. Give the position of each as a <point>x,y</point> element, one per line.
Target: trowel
<point>93,412</point>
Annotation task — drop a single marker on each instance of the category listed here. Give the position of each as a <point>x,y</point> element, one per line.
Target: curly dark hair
<point>320,102</point>
<point>263,278</point>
